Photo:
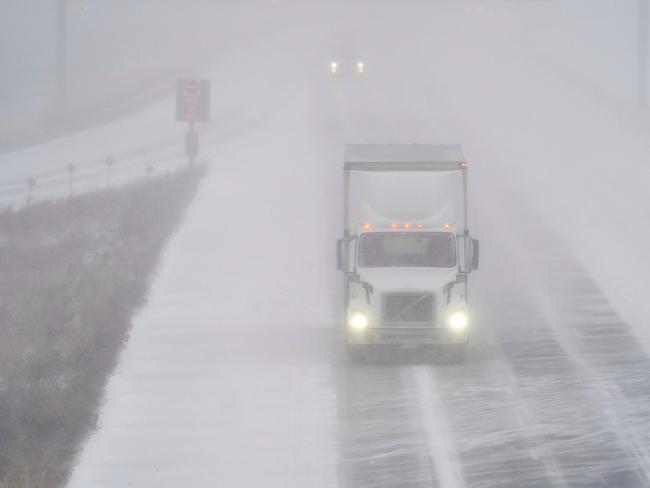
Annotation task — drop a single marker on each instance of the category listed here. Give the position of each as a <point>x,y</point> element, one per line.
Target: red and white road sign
<point>192,100</point>
<point>191,88</point>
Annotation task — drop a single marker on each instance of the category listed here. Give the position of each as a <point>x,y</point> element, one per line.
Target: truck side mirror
<point>474,254</point>
<point>345,254</point>
<point>340,254</point>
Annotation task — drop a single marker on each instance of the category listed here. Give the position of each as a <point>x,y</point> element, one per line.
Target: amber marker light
<point>420,226</point>
<point>407,226</point>
<point>367,226</point>
<point>393,226</point>
<point>446,226</point>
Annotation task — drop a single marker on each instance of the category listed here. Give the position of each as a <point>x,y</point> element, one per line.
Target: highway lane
<point>554,392</point>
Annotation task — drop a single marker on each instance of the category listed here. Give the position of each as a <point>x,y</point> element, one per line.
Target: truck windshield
<point>407,249</point>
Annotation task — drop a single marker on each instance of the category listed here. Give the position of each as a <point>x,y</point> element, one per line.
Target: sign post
<point>192,105</point>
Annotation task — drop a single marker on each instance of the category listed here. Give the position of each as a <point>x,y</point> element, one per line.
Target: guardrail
<point>93,174</point>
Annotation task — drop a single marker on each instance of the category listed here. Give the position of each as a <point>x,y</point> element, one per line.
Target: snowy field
<point>235,374</point>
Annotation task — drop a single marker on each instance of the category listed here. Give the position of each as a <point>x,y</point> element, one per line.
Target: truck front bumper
<point>407,336</point>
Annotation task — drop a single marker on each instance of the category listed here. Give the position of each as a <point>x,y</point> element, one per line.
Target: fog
<point>235,372</point>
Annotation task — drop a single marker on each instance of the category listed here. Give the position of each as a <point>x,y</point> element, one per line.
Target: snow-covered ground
<point>251,355</point>
<point>234,374</point>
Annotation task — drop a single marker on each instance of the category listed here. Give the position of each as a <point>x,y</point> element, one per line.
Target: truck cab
<point>406,254</point>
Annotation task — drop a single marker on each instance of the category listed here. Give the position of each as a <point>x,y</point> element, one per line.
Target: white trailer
<point>406,250</point>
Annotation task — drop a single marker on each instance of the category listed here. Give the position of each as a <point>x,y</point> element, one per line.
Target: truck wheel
<point>457,353</point>
<point>357,354</point>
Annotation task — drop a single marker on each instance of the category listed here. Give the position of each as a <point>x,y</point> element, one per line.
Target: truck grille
<point>408,309</point>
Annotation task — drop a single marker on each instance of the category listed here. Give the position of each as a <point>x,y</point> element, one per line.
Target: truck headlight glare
<point>458,321</point>
<point>358,321</point>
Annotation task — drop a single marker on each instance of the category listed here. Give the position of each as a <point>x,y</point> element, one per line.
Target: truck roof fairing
<point>403,157</point>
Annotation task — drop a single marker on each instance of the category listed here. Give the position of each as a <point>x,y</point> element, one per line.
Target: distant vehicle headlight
<point>358,321</point>
<point>361,67</point>
<point>458,321</point>
<point>334,67</point>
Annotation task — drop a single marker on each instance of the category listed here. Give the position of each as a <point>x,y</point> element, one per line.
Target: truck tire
<point>357,354</point>
<point>457,353</point>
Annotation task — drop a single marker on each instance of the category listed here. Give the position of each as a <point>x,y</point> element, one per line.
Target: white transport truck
<point>406,250</point>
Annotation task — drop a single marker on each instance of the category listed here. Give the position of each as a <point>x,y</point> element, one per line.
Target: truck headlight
<point>358,321</point>
<point>458,321</point>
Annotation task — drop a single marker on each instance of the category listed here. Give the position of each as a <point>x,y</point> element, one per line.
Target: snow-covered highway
<point>235,374</point>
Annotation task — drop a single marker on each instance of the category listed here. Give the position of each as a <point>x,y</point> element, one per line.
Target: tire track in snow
<point>603,347</point>
<point>440,439</point>
<point>497,437</point>
<point>380,442</point>
<point>588,438</point>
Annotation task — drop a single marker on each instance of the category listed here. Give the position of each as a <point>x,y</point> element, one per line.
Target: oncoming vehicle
<point>336,67</point>
<point>406,250</point>
<point>347,61</point>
